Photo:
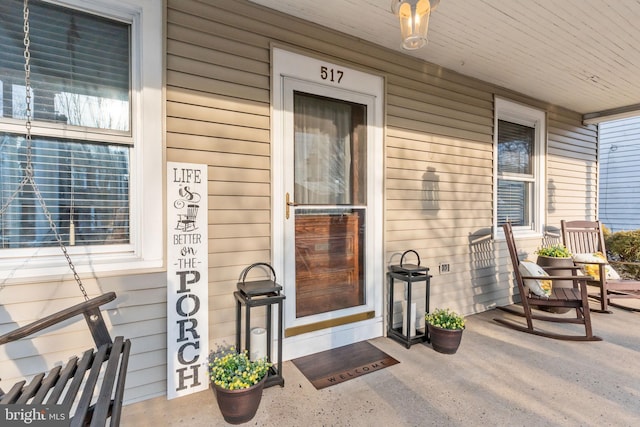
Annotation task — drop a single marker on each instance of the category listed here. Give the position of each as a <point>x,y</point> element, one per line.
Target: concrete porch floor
<point>498,377</point>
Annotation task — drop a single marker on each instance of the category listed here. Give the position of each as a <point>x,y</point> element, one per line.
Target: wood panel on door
<point>327,263</point>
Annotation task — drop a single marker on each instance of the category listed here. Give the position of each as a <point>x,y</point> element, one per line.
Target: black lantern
<point>255,294</point>
<point>410,274</point>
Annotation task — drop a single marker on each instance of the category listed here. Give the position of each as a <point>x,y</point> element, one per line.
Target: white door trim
<point>332,77</point>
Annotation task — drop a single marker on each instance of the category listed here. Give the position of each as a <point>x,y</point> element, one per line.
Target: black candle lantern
<point>410,274</point>
<point>255,294</point>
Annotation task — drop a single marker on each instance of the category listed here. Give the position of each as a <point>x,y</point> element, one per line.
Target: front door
<point>329,139</point>
<point>327,205</point>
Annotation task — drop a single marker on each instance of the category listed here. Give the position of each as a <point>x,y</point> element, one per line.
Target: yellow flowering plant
<point>234,370</point>
<point>445,318</point>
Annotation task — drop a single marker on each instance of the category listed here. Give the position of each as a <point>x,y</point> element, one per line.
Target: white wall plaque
<point>187,279</point>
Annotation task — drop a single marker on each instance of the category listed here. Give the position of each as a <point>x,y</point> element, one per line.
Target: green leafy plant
<point>445,318</point>
<point>624,245</point>
<point>623,250</point>
<point>234,371</point>
<point>555,251</point>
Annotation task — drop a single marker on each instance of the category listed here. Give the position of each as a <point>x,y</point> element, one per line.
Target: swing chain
<point>27,80</point>
<point>27,85</point>
<point>29,165</point>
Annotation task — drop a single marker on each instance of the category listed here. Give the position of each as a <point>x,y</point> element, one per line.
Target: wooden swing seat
<point>99,372</point>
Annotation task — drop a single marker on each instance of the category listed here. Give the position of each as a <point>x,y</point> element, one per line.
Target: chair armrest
<point>626,263</point>
<point>573,268</point>
<point>558,277</point>
<point>591,262</point>
<point>86,307</point>
<point>578,281</point>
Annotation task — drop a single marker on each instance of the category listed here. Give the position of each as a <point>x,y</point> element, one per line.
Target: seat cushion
<point>593,270</point>
<point>539,287</point>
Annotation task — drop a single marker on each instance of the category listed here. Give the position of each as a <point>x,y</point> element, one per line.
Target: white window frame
<point>527,116</point>
<point>146,248</point>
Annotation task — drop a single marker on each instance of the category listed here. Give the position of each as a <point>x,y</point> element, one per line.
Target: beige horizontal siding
<point>200,113</point>
<point>438,179</point>
<point>219,216</point>
<point>438,142</point>
<point>572,169</point>
<point>222,88</point>
<point>220,130</point>
<point>138,313</point>
<point>212,100</point>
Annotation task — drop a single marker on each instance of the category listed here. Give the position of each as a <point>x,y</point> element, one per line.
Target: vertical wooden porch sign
<point>187,279</point>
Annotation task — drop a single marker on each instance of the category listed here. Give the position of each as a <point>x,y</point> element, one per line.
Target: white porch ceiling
<point>580,54</point>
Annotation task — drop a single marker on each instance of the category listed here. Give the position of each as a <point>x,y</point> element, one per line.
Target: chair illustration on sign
<point>536,294</point>
<point>585,240</point>
<point>187,222</point>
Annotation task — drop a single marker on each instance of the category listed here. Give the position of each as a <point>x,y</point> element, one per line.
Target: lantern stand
<point>255,294</point>
<point>410,274</point>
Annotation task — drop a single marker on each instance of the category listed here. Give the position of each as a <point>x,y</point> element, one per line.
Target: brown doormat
<point>341,364</point>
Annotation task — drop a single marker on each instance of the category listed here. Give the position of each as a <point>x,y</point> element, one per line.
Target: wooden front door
<point>327,263</point>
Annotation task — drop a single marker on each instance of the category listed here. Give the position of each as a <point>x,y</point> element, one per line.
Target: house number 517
<point>331,74</point>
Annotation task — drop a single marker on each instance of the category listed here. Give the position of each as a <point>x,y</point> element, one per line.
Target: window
<point>90,100</point>
<point>519,180</point>
<point>330,151</point>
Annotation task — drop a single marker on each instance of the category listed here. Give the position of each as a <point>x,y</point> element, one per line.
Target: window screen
<point>86,183</point>
<point>515,148</point>
<point>79,66</point>
<point>515,173</point>
<point>80,80</point>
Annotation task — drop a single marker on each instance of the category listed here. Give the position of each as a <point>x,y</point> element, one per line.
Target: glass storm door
<point>326,205</point>
<point>329,146</point>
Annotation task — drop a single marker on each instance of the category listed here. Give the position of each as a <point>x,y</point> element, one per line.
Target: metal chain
<point>14,195</point>
<point>27,80</point>
<point>27,86</point>
<point>29,165</point>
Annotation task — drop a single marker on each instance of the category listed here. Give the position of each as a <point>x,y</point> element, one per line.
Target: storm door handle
<point>289,204</point>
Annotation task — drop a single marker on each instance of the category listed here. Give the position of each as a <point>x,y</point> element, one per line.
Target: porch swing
<point>89,388</point>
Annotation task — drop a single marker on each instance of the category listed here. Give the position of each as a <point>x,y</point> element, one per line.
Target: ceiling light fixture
<point>414,20</point>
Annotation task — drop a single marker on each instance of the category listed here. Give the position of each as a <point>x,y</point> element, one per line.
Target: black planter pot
<point>445,341</point>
